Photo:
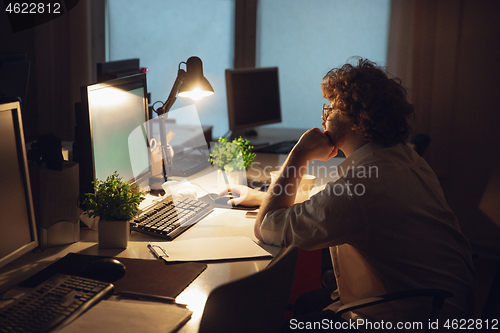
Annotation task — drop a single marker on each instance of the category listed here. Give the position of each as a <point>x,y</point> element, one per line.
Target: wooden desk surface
<point>220,223</point>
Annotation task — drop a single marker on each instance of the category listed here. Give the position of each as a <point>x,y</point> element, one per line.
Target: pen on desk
<point>146,297</point>
<point>156,254</point>
<point>150,247</point>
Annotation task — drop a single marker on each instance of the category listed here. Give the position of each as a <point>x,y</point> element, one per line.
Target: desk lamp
<point>189,83</point>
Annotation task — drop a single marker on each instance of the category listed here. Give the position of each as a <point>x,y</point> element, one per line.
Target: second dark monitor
<point>253,98</point>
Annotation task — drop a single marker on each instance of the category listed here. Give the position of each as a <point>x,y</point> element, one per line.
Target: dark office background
<point>446,51</point>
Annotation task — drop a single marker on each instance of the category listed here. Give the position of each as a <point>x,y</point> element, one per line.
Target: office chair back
<point>491,308</point>
<point>253,304</point>
<point>420,142</point>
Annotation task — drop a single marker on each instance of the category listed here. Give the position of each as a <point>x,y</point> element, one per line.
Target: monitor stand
<point>251,135</point>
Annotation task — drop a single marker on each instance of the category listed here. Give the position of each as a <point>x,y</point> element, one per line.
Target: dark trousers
<point>309,316</point>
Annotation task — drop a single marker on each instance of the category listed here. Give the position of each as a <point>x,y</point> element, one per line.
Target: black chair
<point>257,303</point>
<point>438,297</point>
<point>491,308</point>
<point>420,143</point>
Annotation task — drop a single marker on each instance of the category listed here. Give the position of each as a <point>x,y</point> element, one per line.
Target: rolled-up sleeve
<point>328,218</point>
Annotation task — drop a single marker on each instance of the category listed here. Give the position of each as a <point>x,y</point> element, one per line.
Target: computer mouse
<point>105,269</point>
<point>223,199</point>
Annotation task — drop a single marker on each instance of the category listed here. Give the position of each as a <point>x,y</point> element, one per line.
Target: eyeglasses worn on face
<point>327,109</point>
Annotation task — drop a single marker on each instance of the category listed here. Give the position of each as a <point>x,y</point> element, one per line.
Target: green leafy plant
<point>232,156</point>
<point>113,199</point>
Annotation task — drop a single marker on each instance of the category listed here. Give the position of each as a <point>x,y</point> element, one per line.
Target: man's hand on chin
<point>315,145</point>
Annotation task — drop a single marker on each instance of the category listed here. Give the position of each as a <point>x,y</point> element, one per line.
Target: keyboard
<point>187,164</point>
<point>283,147</point>
<point>55,302</point>
<point>168,220</point>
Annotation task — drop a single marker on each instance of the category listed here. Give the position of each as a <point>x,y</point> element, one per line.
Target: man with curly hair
<point>389,229</point>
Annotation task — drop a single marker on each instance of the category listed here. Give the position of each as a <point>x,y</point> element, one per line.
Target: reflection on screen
<point>184,134</point>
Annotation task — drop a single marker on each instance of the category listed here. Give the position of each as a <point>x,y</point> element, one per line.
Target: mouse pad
<point>154,277</point>
<point>210,199</point>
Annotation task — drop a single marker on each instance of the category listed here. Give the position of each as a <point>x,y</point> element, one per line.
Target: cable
<point>153,106</point>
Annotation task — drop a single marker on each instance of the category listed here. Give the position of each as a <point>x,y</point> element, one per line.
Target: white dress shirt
<point>388,228</point>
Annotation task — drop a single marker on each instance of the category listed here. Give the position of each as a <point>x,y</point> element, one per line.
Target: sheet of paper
<point>129,316</point>
<point>212,248</point>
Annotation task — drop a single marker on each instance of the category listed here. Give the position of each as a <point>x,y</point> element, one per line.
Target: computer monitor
<point>116,69</point>
<point>18,231</point>
<point>111,70</point>
<point>112,131</point>
<point>14,76</point>
<point>253,99</point>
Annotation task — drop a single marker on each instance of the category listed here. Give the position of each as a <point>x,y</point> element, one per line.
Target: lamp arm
<point>172,97</point>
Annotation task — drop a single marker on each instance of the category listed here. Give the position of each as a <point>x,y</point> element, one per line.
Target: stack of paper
<point>212,249</point>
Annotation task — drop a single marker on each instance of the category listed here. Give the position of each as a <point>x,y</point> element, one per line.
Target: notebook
<point>129,316</point>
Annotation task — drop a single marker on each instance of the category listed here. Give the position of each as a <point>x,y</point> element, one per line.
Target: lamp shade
<point>195,85</point>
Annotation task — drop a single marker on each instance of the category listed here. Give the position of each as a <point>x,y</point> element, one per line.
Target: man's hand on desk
<point>247,196</point>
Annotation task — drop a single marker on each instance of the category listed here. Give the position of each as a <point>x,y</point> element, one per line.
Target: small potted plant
<point>116,203</point>
<point>232,159</point>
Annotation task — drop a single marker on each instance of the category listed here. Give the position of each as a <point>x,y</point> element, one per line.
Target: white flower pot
<point>233,178</point>
<point>113,234</point>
